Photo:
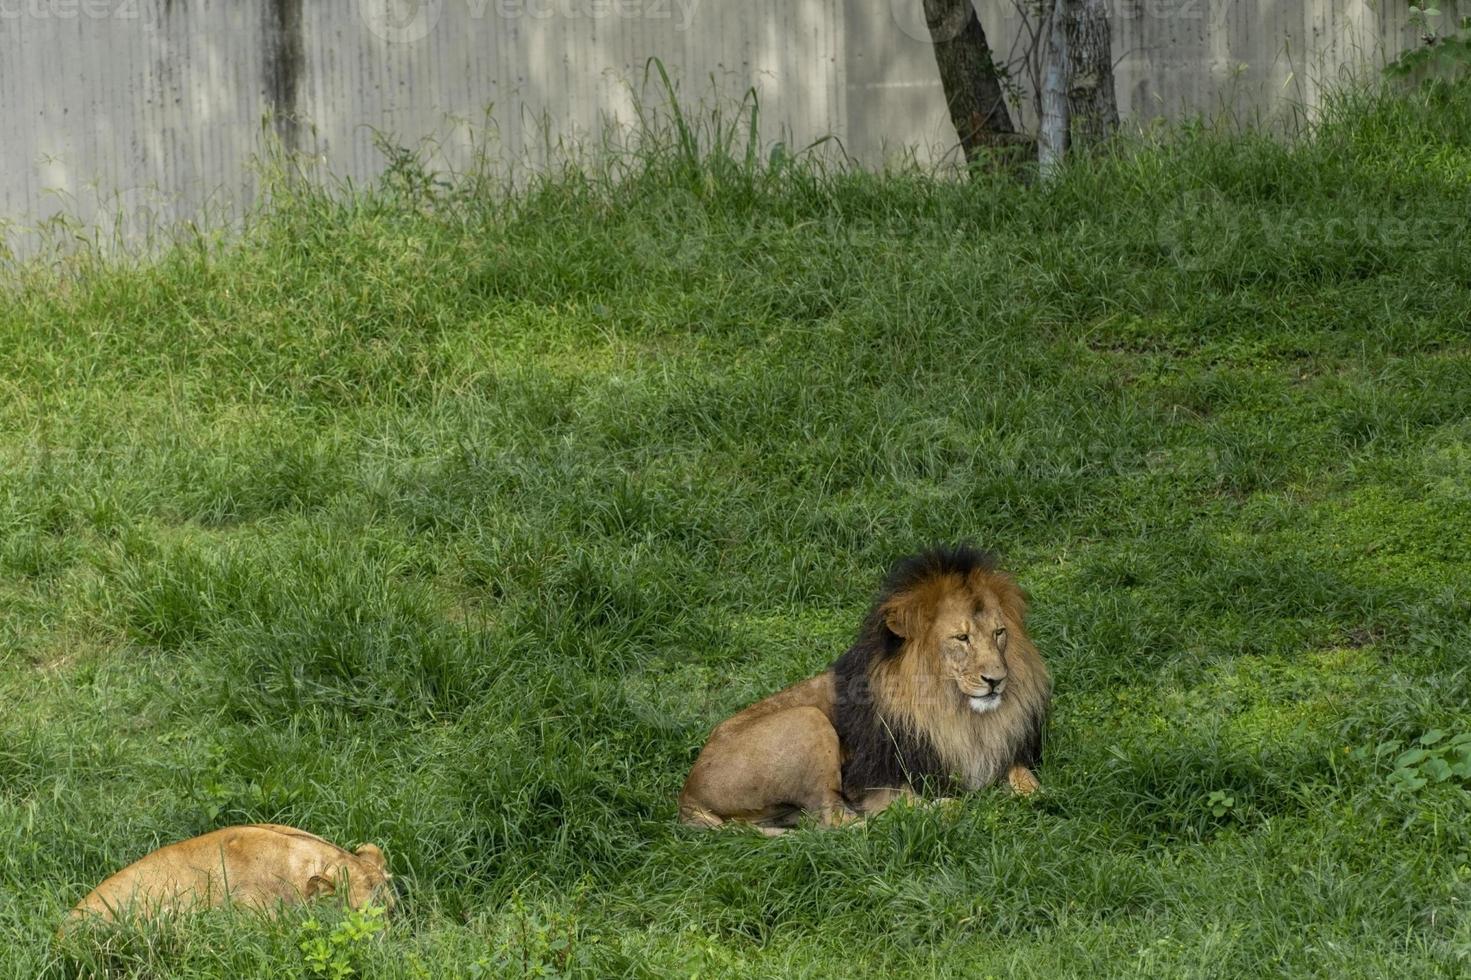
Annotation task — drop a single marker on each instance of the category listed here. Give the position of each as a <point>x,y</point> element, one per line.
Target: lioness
<point>942,689</point>
<point>259,866</point>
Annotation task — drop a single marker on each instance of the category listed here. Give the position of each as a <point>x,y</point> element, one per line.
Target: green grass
<point>451,520</point>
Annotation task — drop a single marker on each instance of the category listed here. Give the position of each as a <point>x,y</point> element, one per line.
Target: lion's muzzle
<point>981,703</point>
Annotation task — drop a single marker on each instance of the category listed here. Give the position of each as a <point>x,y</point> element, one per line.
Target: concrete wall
<point>157,106</point>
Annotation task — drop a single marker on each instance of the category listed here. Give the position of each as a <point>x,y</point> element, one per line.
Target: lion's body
<point>258,866</point>
<point>792,733</point>
<point>918,703</point>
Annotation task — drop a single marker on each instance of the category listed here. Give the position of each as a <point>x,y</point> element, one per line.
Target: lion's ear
<point>899,616</point>
<point>1013,600</point>
<point>373,855</point>
<point>318,886</point>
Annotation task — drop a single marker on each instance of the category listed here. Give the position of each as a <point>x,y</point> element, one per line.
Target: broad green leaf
<point>1410,758</point>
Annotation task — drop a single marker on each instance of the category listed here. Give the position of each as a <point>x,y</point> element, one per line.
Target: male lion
<point>258,866</point>
<point>942,689</point>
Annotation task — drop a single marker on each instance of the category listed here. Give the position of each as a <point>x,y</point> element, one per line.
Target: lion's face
<point>969,636</point>
<point>962,630</point>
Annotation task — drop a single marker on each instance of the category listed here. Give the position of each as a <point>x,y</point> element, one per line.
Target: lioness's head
<point>367,880</point>
<point>960,623</point>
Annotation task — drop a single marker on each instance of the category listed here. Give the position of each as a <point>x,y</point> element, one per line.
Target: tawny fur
<point>257,866</point>
<point>895,717</point>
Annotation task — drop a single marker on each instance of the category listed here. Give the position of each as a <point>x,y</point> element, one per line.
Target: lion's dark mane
<point>878,751</point>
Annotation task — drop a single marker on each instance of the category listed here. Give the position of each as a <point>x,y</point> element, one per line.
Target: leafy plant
<point>534,945</point>
<point>1422,16</point>
<point>1437,56</point>
<point>1432,759</point>
<point>336,954</point>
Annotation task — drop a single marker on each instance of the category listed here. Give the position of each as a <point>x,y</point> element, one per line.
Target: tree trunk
<point>1052,127</point>
<point>969,76</point>
<point>1093,110</point>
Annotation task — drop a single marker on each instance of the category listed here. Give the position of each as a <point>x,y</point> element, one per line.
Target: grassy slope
<point>455,531</point>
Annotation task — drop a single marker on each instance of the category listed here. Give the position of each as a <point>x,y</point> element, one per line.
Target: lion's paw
<point>1022,781</point>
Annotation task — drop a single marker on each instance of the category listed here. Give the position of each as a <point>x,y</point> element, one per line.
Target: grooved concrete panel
<point>111,109</point>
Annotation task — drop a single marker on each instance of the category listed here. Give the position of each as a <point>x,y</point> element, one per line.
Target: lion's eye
<point>1000,632</point>
<point>962,637</point>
